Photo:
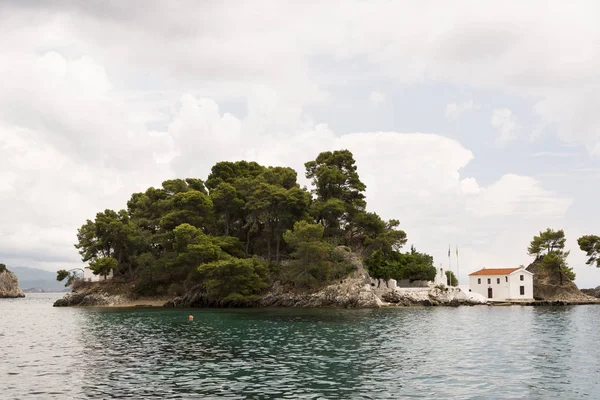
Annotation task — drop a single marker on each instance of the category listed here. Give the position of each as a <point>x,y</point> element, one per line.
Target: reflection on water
<point>472,353</point>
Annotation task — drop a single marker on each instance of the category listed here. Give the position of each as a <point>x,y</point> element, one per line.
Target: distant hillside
<point>36,280</point>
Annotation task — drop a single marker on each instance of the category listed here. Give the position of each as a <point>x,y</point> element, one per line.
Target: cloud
<point>455,110</point>
<point>376,98</point>
<point>554,154</point>
<point>90,111</point>
<point>505,124</point>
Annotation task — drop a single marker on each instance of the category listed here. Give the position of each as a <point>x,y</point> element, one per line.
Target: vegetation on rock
<point>243,228</point>
<point>548,248</point>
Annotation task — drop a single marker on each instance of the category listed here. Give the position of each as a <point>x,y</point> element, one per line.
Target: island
<point>250,236</point>
<point>9,284</point>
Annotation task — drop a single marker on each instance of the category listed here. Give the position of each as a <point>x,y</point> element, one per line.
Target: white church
<point>502,284</point>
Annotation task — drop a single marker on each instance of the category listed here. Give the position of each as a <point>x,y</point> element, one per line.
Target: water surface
<point>443,353</point>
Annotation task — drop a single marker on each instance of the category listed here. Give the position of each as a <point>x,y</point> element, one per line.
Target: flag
<point>448,250</point>
<point>456,250</point>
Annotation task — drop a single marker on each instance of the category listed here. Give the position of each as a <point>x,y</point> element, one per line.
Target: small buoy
<point>191,318</point>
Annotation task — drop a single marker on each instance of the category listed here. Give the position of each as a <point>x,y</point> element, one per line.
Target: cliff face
<point>9,285</point>
<point>547,286</point>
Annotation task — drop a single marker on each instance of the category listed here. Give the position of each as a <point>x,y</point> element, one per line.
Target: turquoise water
<point>433,353</point>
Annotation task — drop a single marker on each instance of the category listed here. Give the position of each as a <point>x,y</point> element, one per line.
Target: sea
<point>479,352</point>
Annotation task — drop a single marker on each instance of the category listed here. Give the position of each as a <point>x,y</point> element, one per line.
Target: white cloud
<point>90,111</point>
<point>455,110</point>
<point>505,124</point>
<point>376,98</point>
<point>554,154</point>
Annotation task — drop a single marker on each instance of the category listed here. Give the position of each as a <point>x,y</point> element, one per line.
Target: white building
<point>503,284</point>
<point>88,275</point>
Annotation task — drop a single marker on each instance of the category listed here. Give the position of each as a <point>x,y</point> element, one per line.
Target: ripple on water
<point>476,352</point>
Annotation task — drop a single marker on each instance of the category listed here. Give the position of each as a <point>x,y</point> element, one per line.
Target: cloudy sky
<point>475,124</point>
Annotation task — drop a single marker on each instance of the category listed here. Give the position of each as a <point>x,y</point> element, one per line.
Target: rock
<point>89,300</point>
<point>595,292</point>
<point>548,287</point>
<point>9,285</point>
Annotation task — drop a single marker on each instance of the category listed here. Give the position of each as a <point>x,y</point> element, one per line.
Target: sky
<point>474,123</point>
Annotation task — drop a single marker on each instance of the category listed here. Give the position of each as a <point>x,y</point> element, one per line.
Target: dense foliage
<point>245,226</point>
<point>2,268</point>
<point>591,245</point>
<point>395,265</point>
<point>548,247</point>
<point>451,279</point>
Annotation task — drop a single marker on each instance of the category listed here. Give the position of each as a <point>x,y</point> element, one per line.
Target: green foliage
<point>556,261</point>
<point>395,265</point>
<point>234,278</point>
<point>314,260</point>
<point>591,245</point>
<point>451,279</point>
<point>2,268</point>
<point>103,266</point>
<point>549,246</point>
<point>68,276</point>
<point>190,232</point>
<point>547,241</point>
<point>338,189</point>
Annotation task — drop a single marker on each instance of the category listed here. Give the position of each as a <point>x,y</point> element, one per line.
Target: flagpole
<point>457,267</point>
<point>449,265</point>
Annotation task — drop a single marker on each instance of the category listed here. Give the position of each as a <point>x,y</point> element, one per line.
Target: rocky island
<point>9,284</point>
<point>251,236</point>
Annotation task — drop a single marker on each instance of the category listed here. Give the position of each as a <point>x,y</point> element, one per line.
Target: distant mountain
<point>38,280</point>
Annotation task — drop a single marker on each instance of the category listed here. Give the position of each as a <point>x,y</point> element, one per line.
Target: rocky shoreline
<point>356,291</point>
<point>9,285</point>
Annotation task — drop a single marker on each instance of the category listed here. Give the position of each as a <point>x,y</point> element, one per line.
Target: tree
<point>548,247</point>
<point>70,275</point>
<point>557,262</point>
<point>103,266</point>
<point>234,278</point>
<point>547,242</point>
<point>338,189</point>
<point>226,203</point>
<point>111,234</point>
<point>412,265</point>
<point>2,268</point>
<point>312,263</point>
<point>591,245</point>
<point>451,279</point>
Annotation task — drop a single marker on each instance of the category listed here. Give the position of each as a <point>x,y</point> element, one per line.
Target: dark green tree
<point>103,266</point>
<point>338,189</point>
<point>69,276</point>
<point>548,248</point>
<point>591,245</point>
<point>234,278</point>
<point>451,279</point>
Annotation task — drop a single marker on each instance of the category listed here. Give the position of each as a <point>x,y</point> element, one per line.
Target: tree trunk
<point>248,241</point>
<point>277,243</point>
<point>226,224</point>
<point>269,249</point>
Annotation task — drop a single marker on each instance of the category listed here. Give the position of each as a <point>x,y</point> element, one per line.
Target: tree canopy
<point>245,226</point>
<point>548,247</point>
<point>591,245</point>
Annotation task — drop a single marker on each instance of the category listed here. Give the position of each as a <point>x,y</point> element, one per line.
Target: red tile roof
<point>494,271</point>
